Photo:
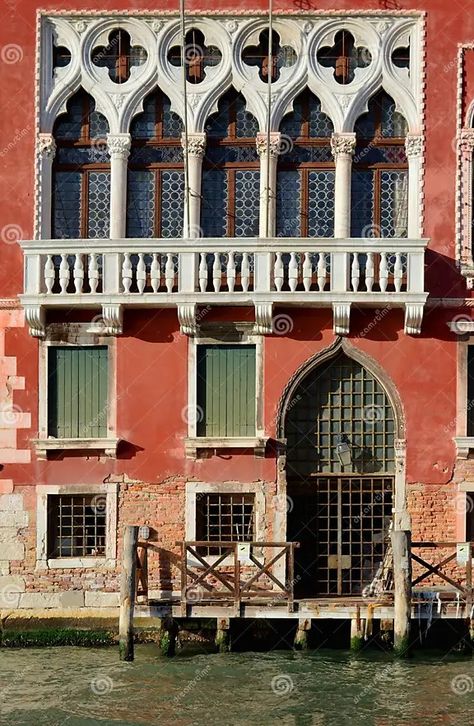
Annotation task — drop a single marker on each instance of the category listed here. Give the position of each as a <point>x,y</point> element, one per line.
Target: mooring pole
<point>127,592</point>
<point>401,545</point>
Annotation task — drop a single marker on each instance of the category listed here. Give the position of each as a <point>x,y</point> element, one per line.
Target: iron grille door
<point>352,520</point>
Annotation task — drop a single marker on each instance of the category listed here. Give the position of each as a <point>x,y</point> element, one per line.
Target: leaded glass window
<point>306,176</point>
<point>155,194</point>
<point>81,172</point>
<point>380,172</point>
<point>231,172</point>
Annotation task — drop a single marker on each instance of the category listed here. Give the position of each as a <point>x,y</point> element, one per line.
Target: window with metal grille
<point>231,172</point>
<point>155,186</point>
<point>306,175</point>
<point>226,404</point>
<point>225,518</point>
<point>380,172</point>
<point>77,392</point>
<point>76,526</point>
<point>470,390</point>
<point>81,172</point>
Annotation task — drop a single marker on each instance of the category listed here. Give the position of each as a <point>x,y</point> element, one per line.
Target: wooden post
<point>402,577</point>
<point>301,635</point>
<point>357,631</point>
<point>223,635</point>
<point>127,592</point>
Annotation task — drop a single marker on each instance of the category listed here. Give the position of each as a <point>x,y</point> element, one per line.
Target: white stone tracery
<point>380,33</point>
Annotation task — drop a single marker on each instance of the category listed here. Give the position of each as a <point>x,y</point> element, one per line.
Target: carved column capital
<point>196,144</point>
<point>276,145</point>
<point>46,146</point>
<point>466,141</point>
<point>343,144</point>
<point>414,145</point>
<point>119,145</point>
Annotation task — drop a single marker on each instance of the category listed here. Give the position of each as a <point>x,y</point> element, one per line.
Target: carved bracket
<point>35,317</point>
<point>263,318</point>
<point>112,315</point>
<point>413,318</point>
<point>342,316</point>
<point>187,319</point>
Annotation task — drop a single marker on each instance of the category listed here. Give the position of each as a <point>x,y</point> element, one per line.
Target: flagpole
<point>186,231</point>
<point>269,103</point>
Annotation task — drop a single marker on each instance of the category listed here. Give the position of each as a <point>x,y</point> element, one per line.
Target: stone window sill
<point>463,445</point>
<point>194,444</point>
<point>108,446</point>
<point>69,563</point>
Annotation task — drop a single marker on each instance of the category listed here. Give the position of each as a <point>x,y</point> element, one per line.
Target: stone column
<point>464,230</point>
<point>343,146</point>
<point>414,152</point>
<point>46,151</point>
<point>195,154</point>
<point>268,175</point>
<point>119,150</point>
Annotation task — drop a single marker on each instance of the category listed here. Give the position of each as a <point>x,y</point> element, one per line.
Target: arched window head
<point>380,172</point>
<point>305,181</point>
<point>231,172</point>
<point>155,196</point>
<point>81,172</point>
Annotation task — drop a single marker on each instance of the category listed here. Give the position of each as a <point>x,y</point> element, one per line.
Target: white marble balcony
<point>111,275</point>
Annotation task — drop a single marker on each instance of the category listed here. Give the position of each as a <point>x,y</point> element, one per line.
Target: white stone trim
<point>193,442</point>
<point>73,335</point>
<point>42,493</point>
<point>464,443</point>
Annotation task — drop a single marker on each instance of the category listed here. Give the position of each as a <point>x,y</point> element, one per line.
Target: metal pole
<point>187,231</point>
<point>269,102</point>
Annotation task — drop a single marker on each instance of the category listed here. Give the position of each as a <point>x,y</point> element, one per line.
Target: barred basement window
<point>380,172</point>
<point>225,518</point>
<point>77,392</point>
<point>226,390</point>
<point>306,176</point>
<point>81,172</point>
<point>231,172</point>
<point>155,195</point>
<point>76,526</point>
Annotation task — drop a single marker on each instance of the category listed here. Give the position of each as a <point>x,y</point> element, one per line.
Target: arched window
<point>155,196</point>
<point>380,172</point>
<point>231,172</point>
<point>305,181</point>
<point>81,172</point>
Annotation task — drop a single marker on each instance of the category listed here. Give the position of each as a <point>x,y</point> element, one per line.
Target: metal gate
<point>352,520</point>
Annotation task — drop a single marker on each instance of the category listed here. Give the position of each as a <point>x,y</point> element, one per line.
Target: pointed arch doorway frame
<point>289,507</point>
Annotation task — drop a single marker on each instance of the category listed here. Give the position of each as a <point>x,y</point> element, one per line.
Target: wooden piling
<point>301,635</point>
<point>223,635</point>
<point>168,636</point>
<point>127,592</point>
<point>402,577</point>
<point>357,631</point>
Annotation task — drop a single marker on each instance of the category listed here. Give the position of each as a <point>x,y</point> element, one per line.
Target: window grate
<point>76,526</point>
<point>225,518</point>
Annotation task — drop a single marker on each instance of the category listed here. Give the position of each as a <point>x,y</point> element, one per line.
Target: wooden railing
<point>240,571</point>
<point>141,577</point>
<point>437,567</point>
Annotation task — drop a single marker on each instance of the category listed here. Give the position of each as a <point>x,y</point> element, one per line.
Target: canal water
<point>81,687</point>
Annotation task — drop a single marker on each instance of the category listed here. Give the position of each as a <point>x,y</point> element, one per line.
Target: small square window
<point>226,390</point>
<point>225,518</point>
<point>76,526</point>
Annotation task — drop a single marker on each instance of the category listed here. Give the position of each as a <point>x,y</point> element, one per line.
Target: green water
<point>81,687</point>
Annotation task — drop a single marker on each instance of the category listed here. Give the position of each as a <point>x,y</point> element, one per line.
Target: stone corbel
<point>35,317</point>
<point>187,319</point>
<point>112,315</point>
<point>342,317</point>
<point>413,318</point>
<point>263,318</point>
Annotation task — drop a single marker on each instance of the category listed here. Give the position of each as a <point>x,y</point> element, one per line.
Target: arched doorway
<point>341,427</point>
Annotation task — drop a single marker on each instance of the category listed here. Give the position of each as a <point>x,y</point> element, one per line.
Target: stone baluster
<point>216,272</point>
<point>369,272</point>
<point>307,272</point>
<point>278,272</point>
<point>231,272</point>
<point>49,274</point>
<point>293,272</point>
<point>64,274</point>
<point>355,272</point>
<point>169,272</point>
<point>127,273</point>
<point>203,272</point>
<point>398,272</point>
<point>321,271</point>
<point>245,272</point>
<point>141,273</point>
<point>155,273</point>
<point>78,273</point>
<point>383,272</point>
<point>93,272</point>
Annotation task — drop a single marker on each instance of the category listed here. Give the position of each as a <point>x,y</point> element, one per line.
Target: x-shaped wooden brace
<point>264,570</point>
<point>435,570</point>
<point>210,569</point>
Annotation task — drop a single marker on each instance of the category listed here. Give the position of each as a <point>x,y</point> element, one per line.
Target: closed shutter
<point>226,390</point>
<point>77,392</point>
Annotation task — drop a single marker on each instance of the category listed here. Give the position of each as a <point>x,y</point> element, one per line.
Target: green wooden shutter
<point>226,390</point>
<point>77,392</point>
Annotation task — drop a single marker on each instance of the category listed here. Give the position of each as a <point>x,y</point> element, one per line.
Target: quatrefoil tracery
<point>344,56</point>
<point>259,55</point>
<point>197,56</point>
<point>119,56</point>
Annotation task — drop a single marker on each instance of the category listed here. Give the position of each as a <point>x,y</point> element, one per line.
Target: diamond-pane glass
<point>288,204</point>
<point>393,123</point>
<point>99,204</point>
<point>172,203</point>
<point>340,398</point>
<point>394,203</point>
<point>67,205</point>
<point>371,154</point>
<point>140,204</point>
<point>246,124</point>
<point>78,155</point>
<point>362,204</point>
<point>143,125</point>
<point>98,126</point>
<point>300,154</point>
<point>320,125</point>
<point>214,203</point>
<point>247,203</point>
<point>321,203</point>
<point>172,124</point>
